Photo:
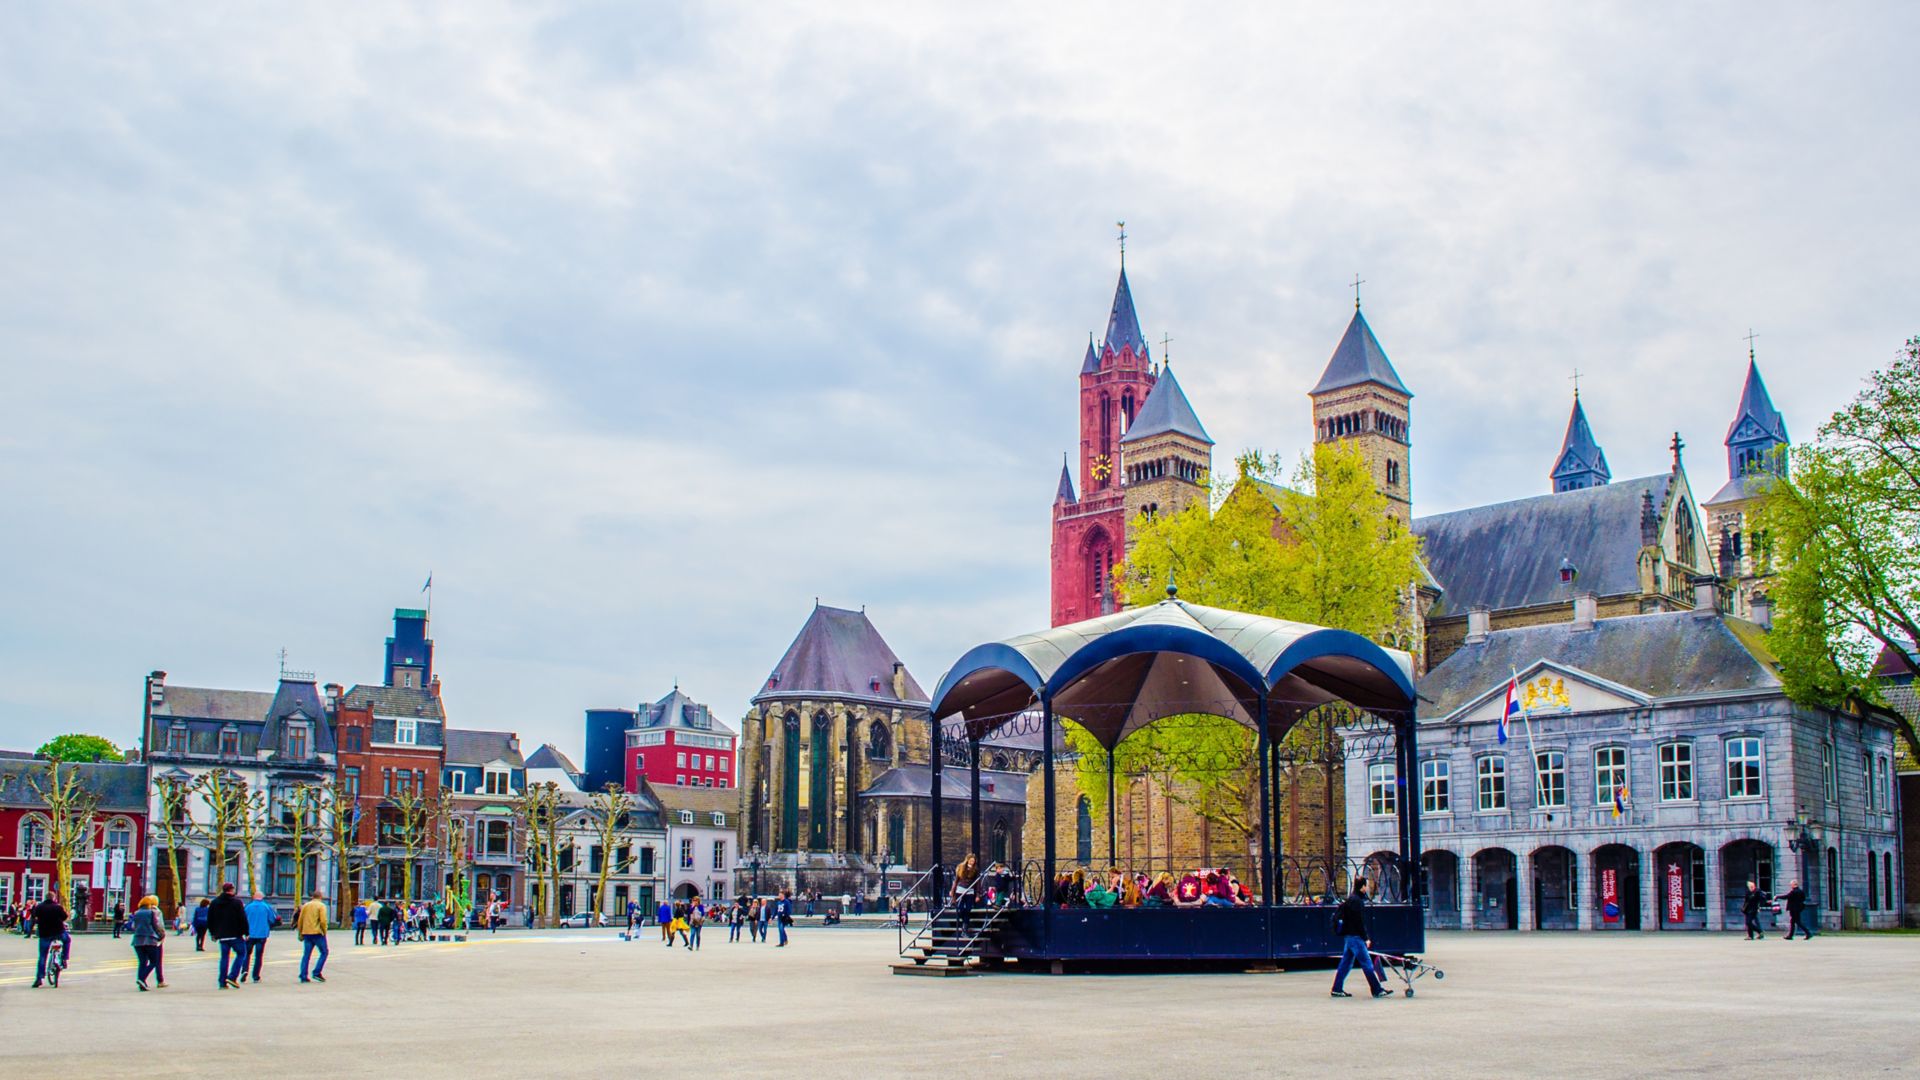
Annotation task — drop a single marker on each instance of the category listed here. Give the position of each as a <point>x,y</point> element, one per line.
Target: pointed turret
<point>1065,493</point>
<point>1582,464</point>
<point>1123,326</point>
<point>1358,359</point>
<point>1166,410</point>
<point>1361,398</point>
<point>1758,435</point>
<point>1091,365</point>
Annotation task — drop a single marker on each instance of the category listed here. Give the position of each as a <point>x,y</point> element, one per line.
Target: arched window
<point>1873,882</point>
<point>820,785</point>
<point>879,742</point>
<point>790,783</point>
<point>1683,534</point>
<point>997,851</point>
<point>36,839</point>
<point>1886,879</point>
<point>1833,879</point>
<point>897,835</point>
<point>998,763</point>
<point>1083,830</point>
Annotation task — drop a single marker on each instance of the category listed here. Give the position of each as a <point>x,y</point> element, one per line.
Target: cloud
<point>642,326</point>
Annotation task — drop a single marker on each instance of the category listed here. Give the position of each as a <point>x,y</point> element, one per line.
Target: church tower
<point>1167,454</point>
<point>1581,464</point>
<point>1756,454</point>
<point>1089,531</point>
<point>1360,397</point>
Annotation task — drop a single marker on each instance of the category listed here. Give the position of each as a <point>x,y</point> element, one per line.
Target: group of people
<point>391,922</point>
<point>1793,901</point>
<point>1207,886</point>
<point>682,921</point>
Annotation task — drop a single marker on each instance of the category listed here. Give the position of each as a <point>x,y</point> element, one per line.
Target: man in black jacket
<point>50,925</point>
<point>1751,909</point>
<point>1351,924</point>
<point>227,924</point>
<point>1796,901</point>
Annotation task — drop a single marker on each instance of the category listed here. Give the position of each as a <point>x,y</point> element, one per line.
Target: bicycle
<point>56,960</point>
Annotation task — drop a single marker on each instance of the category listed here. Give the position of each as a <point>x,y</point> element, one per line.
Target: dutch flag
<point>1513,706</point>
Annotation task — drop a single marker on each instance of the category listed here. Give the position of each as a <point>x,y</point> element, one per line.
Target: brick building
<point>391,741</point>
<point>487,774</point>
<point>110,869</point>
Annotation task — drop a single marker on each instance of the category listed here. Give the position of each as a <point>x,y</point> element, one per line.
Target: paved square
<point>585,1004</point>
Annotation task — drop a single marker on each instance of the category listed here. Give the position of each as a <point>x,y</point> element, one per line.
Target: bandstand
<point>1114,676</point>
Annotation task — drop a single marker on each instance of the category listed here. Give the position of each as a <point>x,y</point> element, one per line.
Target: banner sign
<point>117,869</point>
<point>1610,895</point>
<point>98,879</point>
<point>1676,894</point>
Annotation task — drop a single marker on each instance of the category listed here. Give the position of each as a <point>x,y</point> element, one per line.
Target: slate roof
<point>550,756</point>
<point>1749,485</point>
<point>121,786</point>
<point>1123,326</point>
<point>466,747</point>
<point>1359,359</point>
<point>677,710</point>
<point>298,698</point>
<point>199,703</point>
<point>837,654</point>
<point>1508,555</point>
<point>1065,493</point>
<point>1579,453</point>
<point>1091,364</point>
<point>1665,655</point>
<point>405,702</point>
<point>703,801</point>
<point>916,782</point>
<point>1166,410</point>
<point>1757,405</point>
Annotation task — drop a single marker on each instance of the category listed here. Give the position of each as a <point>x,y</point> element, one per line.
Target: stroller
<point>1410,969</point>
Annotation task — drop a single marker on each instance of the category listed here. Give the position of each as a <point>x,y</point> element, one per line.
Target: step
<point>937,971</point>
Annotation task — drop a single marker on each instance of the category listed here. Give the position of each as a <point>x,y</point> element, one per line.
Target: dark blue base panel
<point>1174,935</point>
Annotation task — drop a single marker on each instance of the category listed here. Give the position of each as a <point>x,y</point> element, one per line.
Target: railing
<point>1299,880</point>
<point>900,928</point>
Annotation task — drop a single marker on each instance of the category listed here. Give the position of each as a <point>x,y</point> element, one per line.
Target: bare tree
<point>340,836</point>
<point>455,830</point>
<point>70,810</point>
<point>225,797</point>
<point>610,809</point>
<point>252,823</point>
<point>172,794</point>
<point>539,812</point>
<point>301,816</point>
<point>412,828</point>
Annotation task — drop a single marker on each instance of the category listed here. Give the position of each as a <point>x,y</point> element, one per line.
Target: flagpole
<point>1526,717</point>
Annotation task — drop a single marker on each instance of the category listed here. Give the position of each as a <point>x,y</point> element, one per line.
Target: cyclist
<point>50,925</point>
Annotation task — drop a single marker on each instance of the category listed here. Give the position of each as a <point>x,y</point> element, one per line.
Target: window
<point>230,742</point>
<point>680,760</point>
<point>35,839</point>
<point>719,818</point>
<point>723,781</point>
<point>1083,830</point>
<point>1886,878</point>
<point>1609,774</point>
<point>719,891</point>
<point>406,732</point>
<point>1436,784</point>
<point>719,854</point>
<point>1873,882</point>
<point>35,888</point>
<point>283,866</point>
<point>710,761</point>
<point>457,781</point>
<point>1743,768</point>
<point>355,740</point>
<point>1866,778</point>
<point>119,835</point>
<point>1492,779</point>
<point>679,779</point>
<point>686,853</point>
<point>1550,779</point>
<point>6,892</point>
<point>879,742</point>
<point>725,763</point>
<point>646,860</point>
<point>1676,772</point>
<point>1380,800</point>
<point>686,817</point>
<point>177,739</point>
<point>1829,775</point>
<point>1833,877</point>
<point>1696,879</point>
<point>498,782</point>
<point>1882,798</point>
<point>596,857</point>
<point>498,838</point>
<point>353,781</point>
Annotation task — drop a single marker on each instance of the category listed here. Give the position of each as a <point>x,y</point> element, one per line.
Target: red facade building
<point>676,740</point>
<point>392,741</point>
<point>109,871</point>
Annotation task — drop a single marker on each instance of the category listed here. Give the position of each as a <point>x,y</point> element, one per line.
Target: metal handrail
<point>906,894</point>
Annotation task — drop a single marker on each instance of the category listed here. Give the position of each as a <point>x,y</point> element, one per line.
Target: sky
<point>641,327</point>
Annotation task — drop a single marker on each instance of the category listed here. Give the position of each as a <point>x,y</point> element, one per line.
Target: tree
<point>80,748</point>
<point>252,822</point>
<point>610,808</point>
<point>340,832</point>
<point>225,797</point>
<point>1842,536</point>
<point>456,849</point>
<point>538,810</point>
<point>300,814</point>
<point>1323,551</point>
<point>412,811</point>
<point>70,810</point>
<point>171,794</point>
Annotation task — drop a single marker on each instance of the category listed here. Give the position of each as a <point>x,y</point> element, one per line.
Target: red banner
<point>1609,895</point>
<point>1676,894</point>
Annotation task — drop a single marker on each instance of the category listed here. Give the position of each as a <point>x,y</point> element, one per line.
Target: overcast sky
<point>640,329</point>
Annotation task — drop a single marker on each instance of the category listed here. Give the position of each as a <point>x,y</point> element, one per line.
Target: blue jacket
<point>261,918</point>
<point>200,917</point>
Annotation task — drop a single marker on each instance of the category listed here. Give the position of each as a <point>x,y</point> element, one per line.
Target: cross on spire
<point>1164,340</point>
<point>283,660</point>
<point>1679,444</point>
<point>1123,244</point>
<point>1750,336</point>
<point>1357,282</point>
<point>1576,382</point>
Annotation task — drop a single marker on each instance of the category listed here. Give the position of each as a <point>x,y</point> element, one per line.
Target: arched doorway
<point>1556,894</point>
<point>1740,862</point>
<point>1497,894</point>
<point>686,890</point>
<point>1443,889</point>
<point>1680,871</point>
<point>1616,887</point>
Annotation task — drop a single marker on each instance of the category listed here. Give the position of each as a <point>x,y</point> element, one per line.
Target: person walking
<point>261,919</point>
<point>1350,923</point>
<point>119,918</point>
<point>149,931</point>
<point>50,925</point>
<point>200,926</point>
<point>310,922</point>
<point>359,924</point>
<point>383,923</point>
<point>665,917</point>
<point>965,878</point>
<point>227,925</point>
<point>783,915</point>
<point>696,918</point>
<point>1750,907</point>
<point>1796,903</point>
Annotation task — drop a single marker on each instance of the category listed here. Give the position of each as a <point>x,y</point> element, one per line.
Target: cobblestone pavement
<point>585,1004</point>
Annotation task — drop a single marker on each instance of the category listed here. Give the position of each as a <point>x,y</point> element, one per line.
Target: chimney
<point>156,689</point>
<point>900,680</point>
<point>1762,611</point>
<point>333,696</point>
<point>434,688</point>
<point>1586,608</point>
<point>1705,596</point>
<point>1479,623</point>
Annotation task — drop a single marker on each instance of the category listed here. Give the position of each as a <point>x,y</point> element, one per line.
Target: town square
<point>898,539</point>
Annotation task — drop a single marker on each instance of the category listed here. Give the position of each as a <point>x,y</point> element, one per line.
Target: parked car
<point>578,919</point>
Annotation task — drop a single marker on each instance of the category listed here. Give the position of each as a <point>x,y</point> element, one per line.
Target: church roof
<point>1359,359</point>
<point>916,782</point>
<point>1166,410</point>
<point>1579,453</point>
<point>838,653</point>
<point>1756,405</point>
<point>1664,655</point>
<point>1748,485</point>
<point>1123,326</point>
<point>1065,493</point>
<point>1508,555</point>
<point>1092,363</point>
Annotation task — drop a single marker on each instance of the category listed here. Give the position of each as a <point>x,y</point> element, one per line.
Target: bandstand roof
<point>1118,673</point>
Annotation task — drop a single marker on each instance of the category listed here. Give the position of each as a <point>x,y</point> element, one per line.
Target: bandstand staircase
<point>943,948</point>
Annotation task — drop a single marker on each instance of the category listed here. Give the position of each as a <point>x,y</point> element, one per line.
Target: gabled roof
<point>1065,492</point>
<point>1508,555</point>
<point>1092,363</point>
<point>550,756</point>
<point>298,699</point>
<point>1166,410</point>
<point>1579,453</point>
<point>703,801</point>
<point>838,653</point>
<point>407,702</point>
<point>1359,359</point>
<point>1123,326</point>
<point>199,703</point>
<point>120,786</point>
<point>1664,655</point>
<point>1756,405</point>
<point>1748,485</point>
<point>465,747</point>
<point>677,710</point>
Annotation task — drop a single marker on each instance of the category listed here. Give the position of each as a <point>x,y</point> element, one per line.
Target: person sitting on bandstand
<point>1160,893</point>
<point>1191,892</point>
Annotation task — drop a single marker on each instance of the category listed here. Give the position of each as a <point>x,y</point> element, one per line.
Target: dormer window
<point>719,818</point>
<point>177,739</point>
<point>406,732</point>
<point>230,742</point>
<point>299,746</point>
<point>499,782</point>
<point>686,817</point>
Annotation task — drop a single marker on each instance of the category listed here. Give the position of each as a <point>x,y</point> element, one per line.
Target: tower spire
<point>1581,463</point>
<point>1123,244</point>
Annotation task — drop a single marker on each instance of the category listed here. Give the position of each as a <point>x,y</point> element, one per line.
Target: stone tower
<point>1756,455</point>
<point>1361,397</point>
<point>1581,464</point>
<point>1089,531</point>
<point>1167,454</point>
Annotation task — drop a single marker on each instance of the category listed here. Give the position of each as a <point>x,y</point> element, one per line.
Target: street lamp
<point>886,860</point>
<point>1804,844</point>
<point>756,859</point>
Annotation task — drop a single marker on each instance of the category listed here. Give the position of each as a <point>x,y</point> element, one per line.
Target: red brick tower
<point>1089,532</point>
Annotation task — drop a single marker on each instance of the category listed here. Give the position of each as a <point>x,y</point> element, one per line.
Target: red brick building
<point>677,741</point>
<point>116,840</point>
<point>392,741</point>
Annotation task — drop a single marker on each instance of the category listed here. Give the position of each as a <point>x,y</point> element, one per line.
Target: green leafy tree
<point>78,747</point>
<point>1842,536</point>
<point>1324,551</point>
